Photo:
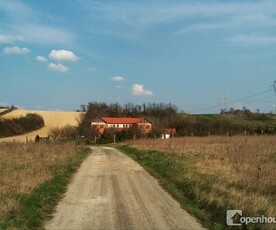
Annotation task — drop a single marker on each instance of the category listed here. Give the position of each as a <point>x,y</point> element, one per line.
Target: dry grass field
<point>25,167</point>
<point>239,171</point>
<point>2,110</point>
<point>52,119</point>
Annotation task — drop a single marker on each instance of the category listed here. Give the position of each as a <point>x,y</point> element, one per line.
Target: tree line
<point>160,114</point>
<point>168,116</point>
<point>21,125</point>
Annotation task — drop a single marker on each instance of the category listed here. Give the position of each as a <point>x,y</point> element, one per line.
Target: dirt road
<point>111,191</point>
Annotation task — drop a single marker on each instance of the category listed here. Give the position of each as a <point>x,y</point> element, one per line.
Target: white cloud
<point>4,103</point>
<point>8,39</point>
<point>203,26</point>
<point>118,78</point>
<point>43,34</point>
<point>15,50</point>
<point>58,68</point>
<point>89,70</point>
<point>41,59</point>
<point>138,90</point>
<point>39,107</point>
<point>63,55</point>
<point>253,39</point>
<point>21,18</point>
<point>16,9</point>
<point>135,20</point>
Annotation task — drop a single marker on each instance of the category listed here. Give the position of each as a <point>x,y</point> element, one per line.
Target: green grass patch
<point>180,179</point>
<point>220,124</point>
<point>34,209</point>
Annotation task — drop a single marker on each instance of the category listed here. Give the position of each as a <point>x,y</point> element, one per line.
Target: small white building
<point>168,133</point>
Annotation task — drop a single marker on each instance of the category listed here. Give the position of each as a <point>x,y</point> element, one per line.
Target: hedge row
<point>21,125</point>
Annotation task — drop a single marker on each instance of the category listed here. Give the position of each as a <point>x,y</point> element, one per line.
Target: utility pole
<point>274,88</point>
<point>224,100</point>
<point>221,102</point>
<point>228,102</point>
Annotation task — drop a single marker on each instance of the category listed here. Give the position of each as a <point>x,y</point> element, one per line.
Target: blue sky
<point>60,54</point>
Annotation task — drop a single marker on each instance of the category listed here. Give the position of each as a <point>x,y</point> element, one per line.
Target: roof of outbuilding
<point>121,120</point>
<point>169,131</point>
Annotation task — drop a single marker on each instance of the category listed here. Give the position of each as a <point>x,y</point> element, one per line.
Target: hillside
<point>238,123</point>
<point>52,119</point>
<point>2,110</point>
<point>220,124</point>
<point>238,119</point>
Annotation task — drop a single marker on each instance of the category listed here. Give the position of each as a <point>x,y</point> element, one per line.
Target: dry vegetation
<point>25,166</point>
<point>2,110</point>
<point>52,119</point>
<point>240,170</point>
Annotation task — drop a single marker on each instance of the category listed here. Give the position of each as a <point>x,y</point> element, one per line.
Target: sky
<point>200,55</point>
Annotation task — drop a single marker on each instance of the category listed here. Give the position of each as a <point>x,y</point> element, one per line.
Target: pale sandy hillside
<point>52,119</point>
<point>2,110</point>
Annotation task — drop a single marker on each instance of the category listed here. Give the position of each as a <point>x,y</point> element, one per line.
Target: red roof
<point>169,131</point>
<point>122,120</point>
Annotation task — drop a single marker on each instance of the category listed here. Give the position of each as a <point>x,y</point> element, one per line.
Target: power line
<point>258,101</point>
<point>207,108</point>
<point>223,98</point>
<point>254,95</point>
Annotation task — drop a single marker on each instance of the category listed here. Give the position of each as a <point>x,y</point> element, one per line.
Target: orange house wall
<point>144,127</point>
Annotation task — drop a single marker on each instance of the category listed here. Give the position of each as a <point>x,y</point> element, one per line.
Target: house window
<point>101,126</point>
<point>147,127</point>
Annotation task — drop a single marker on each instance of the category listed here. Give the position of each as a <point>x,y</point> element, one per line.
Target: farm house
<point>120,123</point>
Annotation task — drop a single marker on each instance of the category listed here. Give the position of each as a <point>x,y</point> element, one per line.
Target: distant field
<point>221,124</point>
<point>237,119</point>
<point>52,119</point>
<point>2,110</point>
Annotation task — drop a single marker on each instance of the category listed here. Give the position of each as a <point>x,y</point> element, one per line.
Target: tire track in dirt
<point>111,191</point>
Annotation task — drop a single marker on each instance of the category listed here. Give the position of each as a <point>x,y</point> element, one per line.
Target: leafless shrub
<point>67,132</point>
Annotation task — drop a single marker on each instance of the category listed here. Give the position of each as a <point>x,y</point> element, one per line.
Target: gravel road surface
<point>111,191</point>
